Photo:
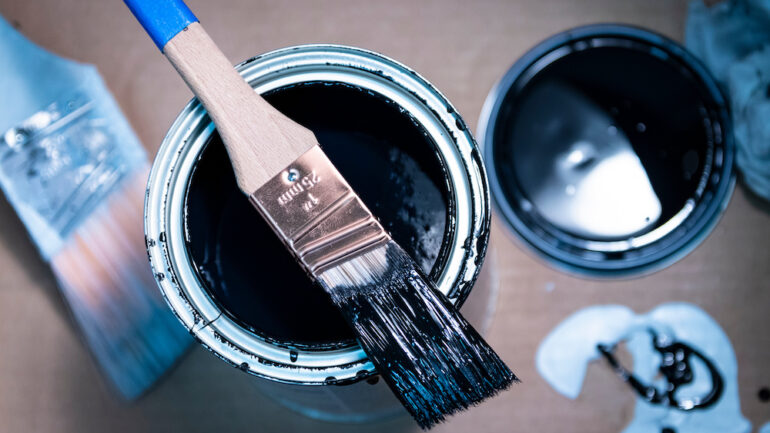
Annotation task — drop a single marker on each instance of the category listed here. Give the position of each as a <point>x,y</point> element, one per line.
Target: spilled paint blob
<point>564,354</point>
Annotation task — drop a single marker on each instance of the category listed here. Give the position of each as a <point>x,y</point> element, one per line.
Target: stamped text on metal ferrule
<point>317,215</point>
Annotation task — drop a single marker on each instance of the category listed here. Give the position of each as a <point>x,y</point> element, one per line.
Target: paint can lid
<point>609,150</point>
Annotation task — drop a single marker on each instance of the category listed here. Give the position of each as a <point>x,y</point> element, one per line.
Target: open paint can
<point>232,283</point>
<point>609,150</point>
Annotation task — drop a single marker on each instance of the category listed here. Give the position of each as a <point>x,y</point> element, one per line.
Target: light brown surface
<point>48,382</point>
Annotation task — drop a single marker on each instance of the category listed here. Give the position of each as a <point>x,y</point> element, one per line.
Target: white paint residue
<point>564,355</point>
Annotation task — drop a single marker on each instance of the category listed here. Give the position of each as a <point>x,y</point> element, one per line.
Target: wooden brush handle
<point>259,139</point>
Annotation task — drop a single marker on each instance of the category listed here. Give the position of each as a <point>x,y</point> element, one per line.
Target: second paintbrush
<point>431,358</point>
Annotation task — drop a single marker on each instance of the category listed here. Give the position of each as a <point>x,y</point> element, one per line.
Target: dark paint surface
<point>387,158</point>
<point>654,101</point>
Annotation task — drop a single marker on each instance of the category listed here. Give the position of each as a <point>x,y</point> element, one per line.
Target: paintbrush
<point>431,358</point>
<point>75,173</point>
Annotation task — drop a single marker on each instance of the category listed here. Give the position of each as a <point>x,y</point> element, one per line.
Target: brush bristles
<point>429,355</point>
<point>104,275</point>
<point>366,270</point>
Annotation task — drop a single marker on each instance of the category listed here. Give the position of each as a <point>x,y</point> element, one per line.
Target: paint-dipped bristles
<point>104,276</point>
<point>429,355</point>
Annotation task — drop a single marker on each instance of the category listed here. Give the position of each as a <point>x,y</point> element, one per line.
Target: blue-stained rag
<point>733,40</point>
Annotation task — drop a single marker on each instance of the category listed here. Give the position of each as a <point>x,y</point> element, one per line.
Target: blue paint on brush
<point>162,19</point>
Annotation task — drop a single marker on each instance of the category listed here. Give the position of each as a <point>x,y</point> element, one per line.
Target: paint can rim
<point>185,139</point>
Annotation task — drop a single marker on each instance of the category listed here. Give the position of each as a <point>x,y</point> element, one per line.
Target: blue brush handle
<point>162,19</point>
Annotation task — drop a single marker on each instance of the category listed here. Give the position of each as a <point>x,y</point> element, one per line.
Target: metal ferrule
<point>316,214</point>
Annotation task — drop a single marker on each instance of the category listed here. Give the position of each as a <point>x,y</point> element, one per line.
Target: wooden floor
<point>48,383</point>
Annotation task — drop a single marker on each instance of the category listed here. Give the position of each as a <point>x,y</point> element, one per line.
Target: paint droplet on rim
<point>764,394</point>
